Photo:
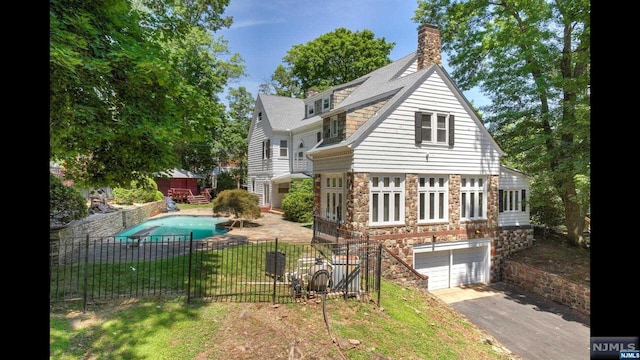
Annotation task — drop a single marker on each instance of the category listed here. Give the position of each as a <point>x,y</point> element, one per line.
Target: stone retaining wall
<point>551,286</point>
<point>108,224</point>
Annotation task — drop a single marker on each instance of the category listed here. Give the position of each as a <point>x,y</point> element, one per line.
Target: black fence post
<point>189,269</point>
<point>275,273</point>
<point>347,281</point>
<point>86,276</point>
<point>379,272</point>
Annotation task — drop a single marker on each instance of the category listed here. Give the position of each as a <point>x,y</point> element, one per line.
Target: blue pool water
<point>175,227</point>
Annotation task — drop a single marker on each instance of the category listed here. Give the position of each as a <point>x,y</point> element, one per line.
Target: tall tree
<point>532,59</point>
<point>331,59</point>
<point>232,144</point>
<point>130,83</point>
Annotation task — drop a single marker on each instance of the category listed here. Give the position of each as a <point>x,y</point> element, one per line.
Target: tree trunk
<point>574,218</point>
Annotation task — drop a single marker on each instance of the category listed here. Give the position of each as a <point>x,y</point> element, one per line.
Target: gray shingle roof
<point>283,112</point>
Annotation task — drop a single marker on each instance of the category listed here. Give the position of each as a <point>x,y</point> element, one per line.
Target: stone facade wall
<point>551,286</point>
<point>399,240</point>
<point>107,224</point>
<point>358,116</point>
<point>429,46</point>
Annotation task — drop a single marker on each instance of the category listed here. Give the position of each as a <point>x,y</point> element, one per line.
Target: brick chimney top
<point>428,46</point>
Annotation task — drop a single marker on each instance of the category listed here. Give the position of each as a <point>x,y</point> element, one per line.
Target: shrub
<point>225,181</point>
<point>241,203</point>
<point>65,202</point>
<point>298,203</point>
<point>138,193</point>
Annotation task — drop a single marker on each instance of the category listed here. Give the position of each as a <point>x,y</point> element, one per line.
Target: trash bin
<point>275,263</point>
<point>346,273</point>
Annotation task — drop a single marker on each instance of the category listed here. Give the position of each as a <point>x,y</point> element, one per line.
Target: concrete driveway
<point>527,324</point>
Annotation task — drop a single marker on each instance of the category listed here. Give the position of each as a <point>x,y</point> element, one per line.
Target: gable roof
<point>282,112</point>
<point>386,82</point>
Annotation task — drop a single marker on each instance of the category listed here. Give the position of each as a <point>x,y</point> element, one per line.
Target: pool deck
<point>269,227</point>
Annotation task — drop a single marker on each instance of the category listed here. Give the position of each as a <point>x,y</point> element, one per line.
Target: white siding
<point>391,146</point>
<point>280,164</point>
<point>337,164</point>
<point>513,180</point>
<point>308,139</point>
<point>259,132</point>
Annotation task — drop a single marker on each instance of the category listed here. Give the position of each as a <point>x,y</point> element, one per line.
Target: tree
<point>241,203</point>
<point>132,84</point>
<point>331,59</point>
<point>532,59</point>
<point>65,203</point>
<point>231,145</point>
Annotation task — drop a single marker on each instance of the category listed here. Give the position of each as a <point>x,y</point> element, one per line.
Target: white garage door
<point>454,264</point>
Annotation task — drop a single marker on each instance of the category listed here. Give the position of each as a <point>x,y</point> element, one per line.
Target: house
<point>178,179</point>
<point>401,156</point>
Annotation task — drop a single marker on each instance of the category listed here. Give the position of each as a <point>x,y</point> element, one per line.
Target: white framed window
<point>434,128</point>
<point>433,198</point>
<point>266,149</point>
<point>333,196</point>
<point>334,126</point>
<point>325,104</point>
<point>512,200</point>
<point>386,199</point>
<point>284,149</point>
<point>310,110</point>
<point>473,202</point>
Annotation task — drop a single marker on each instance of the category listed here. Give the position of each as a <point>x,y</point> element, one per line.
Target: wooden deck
<point>185,196</point>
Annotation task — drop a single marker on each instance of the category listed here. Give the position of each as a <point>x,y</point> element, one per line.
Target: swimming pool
<point>174,227</point>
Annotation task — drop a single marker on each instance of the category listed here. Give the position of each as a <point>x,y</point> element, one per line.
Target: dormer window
<point>325,104</point>
<point>334,126</point>
<point>260,116</point>
<point>310,110</point>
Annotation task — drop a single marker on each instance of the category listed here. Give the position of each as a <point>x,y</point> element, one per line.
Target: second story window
<point>325,104</point>
<point>266,149</point>
<point>284,150</point>
<point>260,116</point>
<point>334,126</point>
<point>434,128</point>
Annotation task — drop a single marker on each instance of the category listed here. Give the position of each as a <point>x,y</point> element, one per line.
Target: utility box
<point>346,273</point>
<point>276,261</point>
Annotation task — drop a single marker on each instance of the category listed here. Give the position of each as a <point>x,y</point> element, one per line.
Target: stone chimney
<point>428,46</point>
<point>311,92</point>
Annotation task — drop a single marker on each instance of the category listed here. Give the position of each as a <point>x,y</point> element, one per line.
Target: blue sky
<point>263,31</point>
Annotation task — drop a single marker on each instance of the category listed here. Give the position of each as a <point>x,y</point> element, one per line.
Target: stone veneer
<point>399,240</point>
<point>550,286</point>
<point>107,224</point>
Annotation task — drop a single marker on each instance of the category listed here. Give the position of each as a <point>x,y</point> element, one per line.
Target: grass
<point>410,324</point>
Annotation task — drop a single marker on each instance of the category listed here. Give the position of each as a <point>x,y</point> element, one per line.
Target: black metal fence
<point>93,269</point>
